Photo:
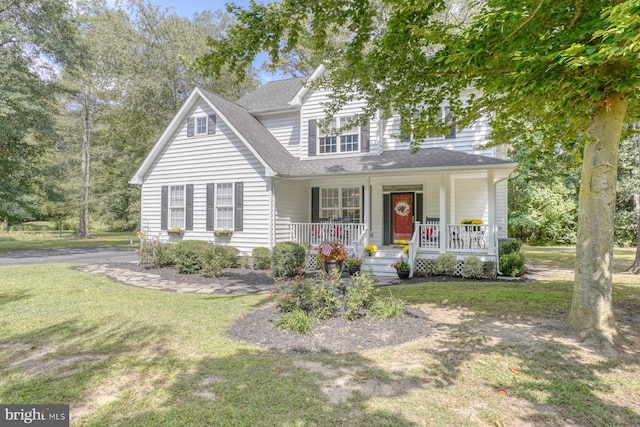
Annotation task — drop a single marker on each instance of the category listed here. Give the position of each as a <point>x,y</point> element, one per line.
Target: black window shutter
<point>386,216</point>
<point>188,217</point>
<point>365,143</point>
<point>419,210</point>
<point>210,207</point>
<point>315,204</point>
<point>190,126</point>
<point>164,207</point>
<point>212,124</point>
<point>238,211</point>
<point>448,119</point>
<point>312,138</point>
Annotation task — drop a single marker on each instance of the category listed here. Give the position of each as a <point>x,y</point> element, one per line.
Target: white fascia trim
<point>297,99</point>
<point>138,178</point>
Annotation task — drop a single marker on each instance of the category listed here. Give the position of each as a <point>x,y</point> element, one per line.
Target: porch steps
<point>379,263</point>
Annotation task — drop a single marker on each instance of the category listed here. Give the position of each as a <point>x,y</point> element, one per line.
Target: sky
<point>186,9</point>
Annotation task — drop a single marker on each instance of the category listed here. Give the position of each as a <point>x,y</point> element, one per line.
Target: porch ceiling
<point>427,159</point>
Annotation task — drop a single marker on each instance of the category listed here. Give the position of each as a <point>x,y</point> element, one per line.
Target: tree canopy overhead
<point>568,70</point>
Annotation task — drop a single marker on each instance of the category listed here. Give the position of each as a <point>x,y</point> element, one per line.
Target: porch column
<point>491,199</point>
<point>366,208</point>
<point>444,234</point>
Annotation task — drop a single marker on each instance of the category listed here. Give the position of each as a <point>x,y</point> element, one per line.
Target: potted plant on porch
<point>353,265</point>
<point>332,255</point>
<point>402,268</point>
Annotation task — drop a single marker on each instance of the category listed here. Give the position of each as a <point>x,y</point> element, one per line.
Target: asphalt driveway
<point>89,255</point>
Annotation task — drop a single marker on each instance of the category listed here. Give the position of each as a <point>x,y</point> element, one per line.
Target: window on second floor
<point>201,125</point>
<point>330,141</point>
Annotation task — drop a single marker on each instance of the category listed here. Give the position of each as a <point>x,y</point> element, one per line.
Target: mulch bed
<point>335,335</point>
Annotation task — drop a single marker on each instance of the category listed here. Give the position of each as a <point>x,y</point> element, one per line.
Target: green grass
<point>125,356</point>
<point>565,256</point>
<point>17,240</point>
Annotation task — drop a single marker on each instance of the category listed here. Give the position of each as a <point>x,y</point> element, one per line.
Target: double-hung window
<point>224,206</point>
<point>344,202</point>
<point>176,206</point>
<point>331,141</point>
<point>201,125</point>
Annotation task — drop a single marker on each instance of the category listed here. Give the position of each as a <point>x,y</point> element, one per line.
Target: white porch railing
<point>458,238</point>
<point>313,234</point>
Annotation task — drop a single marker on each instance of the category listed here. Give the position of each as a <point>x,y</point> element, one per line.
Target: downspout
<point>493,220</point>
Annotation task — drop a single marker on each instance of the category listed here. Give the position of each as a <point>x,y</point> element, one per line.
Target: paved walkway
<point>155,282</point>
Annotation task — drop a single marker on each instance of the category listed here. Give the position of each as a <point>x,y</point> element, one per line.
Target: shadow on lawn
<point>133,376</point>
<point>550,372</point>
<point>130,376</point>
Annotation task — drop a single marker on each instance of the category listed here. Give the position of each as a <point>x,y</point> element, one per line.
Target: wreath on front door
<point>402,208</point>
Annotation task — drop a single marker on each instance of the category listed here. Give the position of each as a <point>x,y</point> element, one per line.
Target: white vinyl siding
<point>292,204</point>
<point>285,127</point>
<point>313,108</point>
<point>217,158</point>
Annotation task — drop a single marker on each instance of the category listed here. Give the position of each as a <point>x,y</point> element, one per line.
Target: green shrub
<point>445,265</point>
<point>388,308</point>
<point>227,255</point>
<point>163,255</point>
<point>262,258</point>
<point>509,246</point>
<point>186,254</point>
<point>210,263</point>
<point>472,268</point>
<point>316,296</point>
<point>294,321</point>
<point>323,297</point>
<point>287,257</point>
<point>359,294</point>
<point>512,264</point>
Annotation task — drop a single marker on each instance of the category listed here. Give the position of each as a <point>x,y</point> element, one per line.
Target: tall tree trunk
<point>635,267</point>
<point>83,224</point>
<point>591,308</point>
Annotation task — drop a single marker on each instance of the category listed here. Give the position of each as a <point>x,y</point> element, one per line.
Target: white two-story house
<point>267,169</point>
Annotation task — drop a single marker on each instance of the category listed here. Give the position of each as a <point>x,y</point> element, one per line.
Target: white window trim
<point>341,121</point>
<point>195,125</point>
<point>216,206</point>
<point>170,207</point>
<point>340,207</point>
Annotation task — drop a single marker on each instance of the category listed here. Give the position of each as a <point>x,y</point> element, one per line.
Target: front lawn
<point>21,240</point>
<point>124,356</point>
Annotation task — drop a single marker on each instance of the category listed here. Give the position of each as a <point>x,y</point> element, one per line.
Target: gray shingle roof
<point>395,160</point>
<point>262,141</point>
<point>285,164</point>
<point>272,96</point>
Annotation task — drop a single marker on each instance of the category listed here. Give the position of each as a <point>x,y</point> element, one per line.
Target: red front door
<point>401,218</point>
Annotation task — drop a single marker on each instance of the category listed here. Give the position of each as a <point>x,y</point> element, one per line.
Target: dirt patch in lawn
<point>335,335</point>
